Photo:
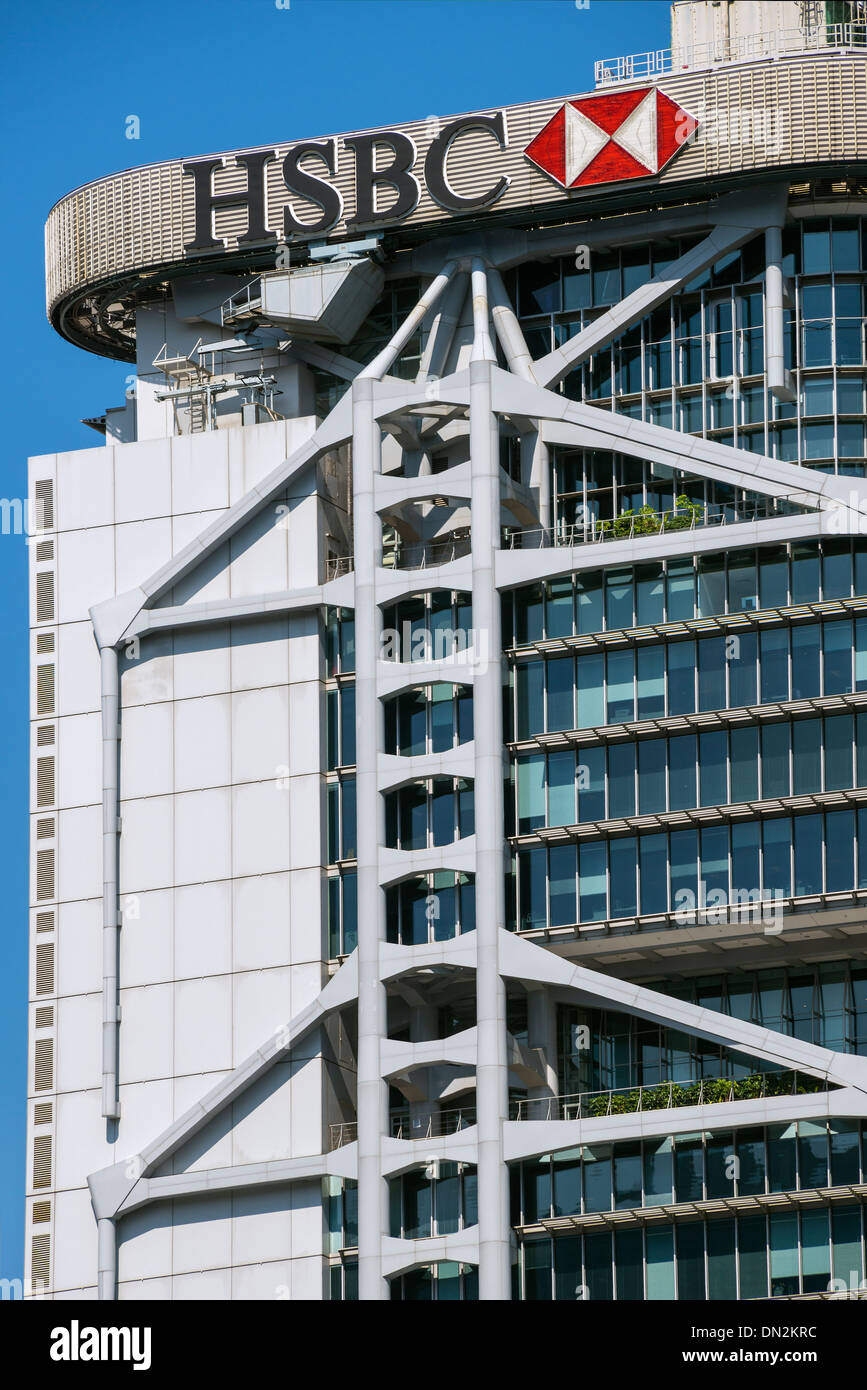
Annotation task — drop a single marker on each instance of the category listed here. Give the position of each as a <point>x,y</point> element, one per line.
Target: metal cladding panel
<point>793,112</point>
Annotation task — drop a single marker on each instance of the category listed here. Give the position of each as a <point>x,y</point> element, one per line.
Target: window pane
<point>651,776</point>
<point>806,756</point>
<point>681,677</point>
<point>621,779</point>
<point>591,709</point>
<point>594,907</point>
<point>563,863</point>
<point>808,855</point>
<point>623,865</point>
<point>650,663</point>
<point>561,681</point>
<point>654,873</point>
<point>775,760</point>
<point>742,653</point>
<point>682,772</point>
<point>561,788</point>
<point>745,764</point>
<point>621,679</point>
<point>775,665</point>
<point>805,661</point>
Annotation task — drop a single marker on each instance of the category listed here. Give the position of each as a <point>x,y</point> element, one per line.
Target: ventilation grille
<point>45,641</point>
<point>45,967</point>
<point>45,596</point>
<point>41,1213</point>
<point>45,781</point>
<point>42,1160</point>
<point>45,1016</point>
<point>43,1070</point>
<point>45,828</point>
<point>40,1262</point>
<point>45,734</point>
<point>43,1112</point>
<point>44,551</point>
<point>45,689</point>
<point>43,493</point>
<point>44,922</point>
<point>45,873</point>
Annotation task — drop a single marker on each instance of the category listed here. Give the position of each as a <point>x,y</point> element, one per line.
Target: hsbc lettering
<point>308,167</point>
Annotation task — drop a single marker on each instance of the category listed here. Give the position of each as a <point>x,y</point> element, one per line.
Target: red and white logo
<point>619,135</point>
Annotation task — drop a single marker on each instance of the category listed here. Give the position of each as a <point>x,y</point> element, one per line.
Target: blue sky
<point>202,75</point>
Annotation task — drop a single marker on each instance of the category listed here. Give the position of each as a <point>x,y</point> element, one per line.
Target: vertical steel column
<point>372,1090</point>
<point>110,913</point>
<point>491,1066</point>
<point>779,380</point>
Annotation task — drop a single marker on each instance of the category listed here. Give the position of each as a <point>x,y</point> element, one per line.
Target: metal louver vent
<point>45,641</point>
<point>43,1068</point>
<point>45,734</point>
<point>45,689</point>
<point>41,1213</point>
<point>45,781</point>
<point>45,596</point>
<point>45,967</point>
<point>42,1160</point>
<point>40,1262</point>
<point>43,493</point>
<point>45,1016</point>
<point>45,873</point>
<point>43,1112</point>
<point>45,828</point>
<point>44,551</point>
<point>44,921</point>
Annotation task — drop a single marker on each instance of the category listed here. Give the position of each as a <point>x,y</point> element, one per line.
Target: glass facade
<point>748,1256</point>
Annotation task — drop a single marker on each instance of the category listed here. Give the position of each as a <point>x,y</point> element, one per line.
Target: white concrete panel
<point>79,760</point>
<point>147,938</point>
<point>260,1007</point>
<point>307,915</point>
<point>78,1052</point>
<point>262,1282</point>
<point>202,735</point>
<point>74,1240</point>
<point>79,858</point>
<point>202,1236</point>
<point>147,674</point>
<point>306,724</point>
<point>261,922</point>
<point>146,757</point>
<point>260,653</point>
<point>142,480</point>
<point>148,1290</point>
<point>307,1276</point>
<point>203,929</point>
<point>260,734</point>
<point>147,1109</point>
<point>147,844</point>
<point>305,1102</point>
<point>209,579</point>
<point>201,664</point>
<point>78,678</point>
<point>262,1129</point>
<point>260,553</point>
<point>260,828</point>
<point>146,1033</point>
<point>85,488</point>
<point>200,472</point>
<point>262,1225</point>
<point>306,846</point>
<point>79,947</point>
<point>203,1024</point>
<point>145,1243</point>
<point>203,835</point>
<point>307,1235</point>
<point>140,548</point>
<point>85,571</point>
<point>210,1284</point>
<point>80,1146</point>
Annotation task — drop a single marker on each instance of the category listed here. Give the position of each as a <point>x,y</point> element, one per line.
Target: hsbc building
<point>449,701</point>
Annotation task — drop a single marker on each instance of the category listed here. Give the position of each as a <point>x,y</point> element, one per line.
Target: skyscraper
<point>449,699</point>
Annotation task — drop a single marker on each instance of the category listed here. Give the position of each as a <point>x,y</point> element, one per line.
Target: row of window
<point>430,719</point>
<point>688,587</point>
<point>727,671</point>
<point>824,1004</point>
<point>717,768</point>
<point>751,866</point>
<point>740,1257</point>
<point>688,1168</point>
<point>424,814</point>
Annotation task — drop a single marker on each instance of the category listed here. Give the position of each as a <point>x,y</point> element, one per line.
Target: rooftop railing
<point>666,1095</point>
<point>448,1121</point>
<point>737,48</point>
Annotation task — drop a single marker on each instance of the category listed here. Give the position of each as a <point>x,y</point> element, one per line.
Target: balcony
<point>735,48</point>
<point>632,525</point>
<point>401,1126</point>
<point>666,1095</point>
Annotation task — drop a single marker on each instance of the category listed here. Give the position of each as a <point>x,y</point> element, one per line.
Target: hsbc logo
<point>379,178</point>
<point>609,138</point>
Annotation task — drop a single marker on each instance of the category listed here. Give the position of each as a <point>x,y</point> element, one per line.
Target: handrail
<point>636,524</point>
<point>736,48</point>
<point>665,1095</point>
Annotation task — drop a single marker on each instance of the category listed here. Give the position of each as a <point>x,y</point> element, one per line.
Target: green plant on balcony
<point>684,515</point>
